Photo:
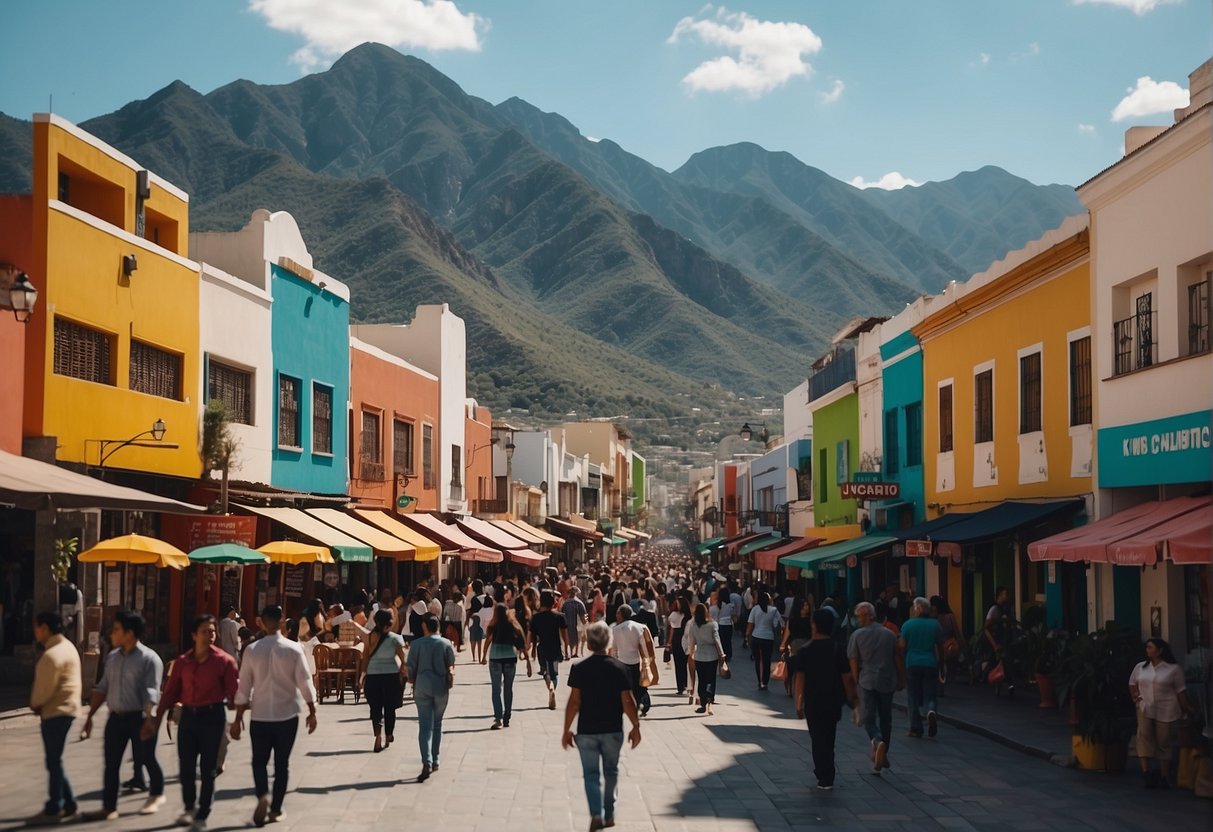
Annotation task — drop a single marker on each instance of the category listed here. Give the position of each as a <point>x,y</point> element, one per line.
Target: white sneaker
<point>153,805</point>
<point>186,818</point>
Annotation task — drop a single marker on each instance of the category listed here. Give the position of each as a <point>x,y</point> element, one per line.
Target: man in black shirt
<point>600,693</point>
<point>823,683</point>
<point>547,628</point>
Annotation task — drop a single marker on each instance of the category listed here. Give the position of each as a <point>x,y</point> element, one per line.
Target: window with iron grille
<point>945,419</point>
<point>82,352</point>
<point>402,447</point>
<point>892,453</point>
<point>1029,393</point>
<point>983,407</point>
<point>427,456</point>
<point>155,371</point>
<point>322,419</point>
<point>232,387</point>
<point>1198,315</point>
<point>288,412</point>
<point>371,457</point>
<point>913,434</point>
<point>456,465</point>
<point>1080,381</point>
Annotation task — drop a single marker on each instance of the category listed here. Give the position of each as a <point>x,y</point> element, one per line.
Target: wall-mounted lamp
<point>129,265</point>
<point>19,294</point>
<point>509,450</point>
<point>746,432</point>
<point>156,432</point>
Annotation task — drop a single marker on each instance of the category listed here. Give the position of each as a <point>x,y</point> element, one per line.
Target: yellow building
<point>1007,417</point>
<point>117,349</point>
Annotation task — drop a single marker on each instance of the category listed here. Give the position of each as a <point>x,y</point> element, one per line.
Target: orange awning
<point>453,539</point>
<point>426,549</point>
<point>488,533</point>
<point>384,544</point>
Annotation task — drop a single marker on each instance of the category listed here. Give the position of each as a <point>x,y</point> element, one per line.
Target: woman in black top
<point>798,631</point>
<point>675,627</point>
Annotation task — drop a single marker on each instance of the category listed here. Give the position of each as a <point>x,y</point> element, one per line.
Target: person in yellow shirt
<point>55,698</point>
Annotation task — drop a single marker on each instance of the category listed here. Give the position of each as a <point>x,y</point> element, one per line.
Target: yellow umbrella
<point>137,549</point>
<point>295,553</point>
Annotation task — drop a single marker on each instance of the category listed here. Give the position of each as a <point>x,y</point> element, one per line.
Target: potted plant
<point>1038,651</point>
<point>1093,677</point>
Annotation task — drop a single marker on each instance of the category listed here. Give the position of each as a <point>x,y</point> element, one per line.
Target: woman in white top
<point>725,616</point>
<point>703,636</point>
<point>760,631</point>
<point>1157,687</point>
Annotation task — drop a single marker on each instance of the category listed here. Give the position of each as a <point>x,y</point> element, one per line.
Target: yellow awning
<point>425,548</point>
<point>349,548</point>
<point>384,544</point>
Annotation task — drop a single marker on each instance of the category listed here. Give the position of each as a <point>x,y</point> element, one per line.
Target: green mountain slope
<point>16,155</point>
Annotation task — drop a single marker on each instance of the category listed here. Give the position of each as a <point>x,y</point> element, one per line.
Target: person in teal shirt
<point>431,665</point>
<point>921,642</point>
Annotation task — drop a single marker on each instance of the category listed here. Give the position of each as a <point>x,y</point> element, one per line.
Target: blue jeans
<point>878,704</point>
<point>922,687</point>
<point>550,668</point>
<point>501,675</point>
<point>430,709</point>
<point>601,783</point>
<point>54,737</point>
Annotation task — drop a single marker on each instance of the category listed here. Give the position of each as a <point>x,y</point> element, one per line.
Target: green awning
<point>762,542</point>
<point>618,541</point>
<point>815,558</point>
<point>708,545</point>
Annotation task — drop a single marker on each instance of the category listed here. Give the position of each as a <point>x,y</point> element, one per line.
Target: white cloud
<point>984,58</point>
<point>834,93</point>
<point>1138,7</point>
<point>891,181</point>
<point>331,28</point>
<point>1150,97</point>
<point>1086,129</point>
<point>594,139</point>
<point>769,53</point>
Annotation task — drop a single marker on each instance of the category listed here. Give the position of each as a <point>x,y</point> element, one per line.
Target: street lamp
<point>746,432</point>
<point>21,294</point>
<point>156,432</point>
<point>509,475</point>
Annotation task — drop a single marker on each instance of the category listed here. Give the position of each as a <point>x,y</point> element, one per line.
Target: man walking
<point>600,693</point>
<point>272,673</point>
<point>130,687</point>
<point>633,644</point>
<point>877,667</point>
<point>204,681</point>
<point>823,679</point>
<point>547,633</point>
<point>431,665</point>
<point>55,698</point>
<point>574,621</point>
<point>920,643</point>
<point>229,632</point>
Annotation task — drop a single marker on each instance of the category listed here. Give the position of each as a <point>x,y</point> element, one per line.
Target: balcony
<point>832,371</point>
<point>490,507</point>
<point>1133,343</point>
<point>371,471</point>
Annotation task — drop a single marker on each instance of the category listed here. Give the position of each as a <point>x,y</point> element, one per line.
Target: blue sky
<point>858,88</point>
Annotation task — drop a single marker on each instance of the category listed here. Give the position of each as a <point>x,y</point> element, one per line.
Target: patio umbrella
<point>136,549</point>
<point>228,553</point>
<point>294,553</point>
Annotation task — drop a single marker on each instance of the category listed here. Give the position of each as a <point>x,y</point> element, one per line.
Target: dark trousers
<point>121,729</point>
<point>277,738</point>
<point>823,729</point>
<point>705,678</point>
<point>726,640</point>
<point>54,738</point>
<point>680,664</point>
<point>640,693</point>
<point>763,647</point>
<point>383,693</point>
<point>199,735</point>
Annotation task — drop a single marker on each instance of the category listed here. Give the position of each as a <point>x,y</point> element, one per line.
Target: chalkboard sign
<point>229,588</point>
<point>295,576</point>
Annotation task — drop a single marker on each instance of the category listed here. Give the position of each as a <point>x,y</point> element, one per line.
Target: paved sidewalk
<point>748,768</point>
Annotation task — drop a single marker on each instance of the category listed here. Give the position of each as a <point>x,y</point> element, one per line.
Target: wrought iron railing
<point>839,370</point>
<point>1133,343</point>
<point>491,507</point>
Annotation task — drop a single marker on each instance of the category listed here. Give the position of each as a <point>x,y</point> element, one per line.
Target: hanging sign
<point>918,548</point>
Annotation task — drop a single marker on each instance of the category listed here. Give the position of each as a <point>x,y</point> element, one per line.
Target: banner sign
<point>190,532</point>
<point>1177,449</point>
<point>918,548</point>
<point>870,490</point>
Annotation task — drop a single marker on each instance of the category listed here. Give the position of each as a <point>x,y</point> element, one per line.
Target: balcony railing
<point>1198,317</point>
<point>371,471</point>
<point>838,370</point>
<point>490,507</point>
<point>1133,343</point>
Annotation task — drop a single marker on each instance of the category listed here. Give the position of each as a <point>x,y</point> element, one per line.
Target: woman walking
<point>452,618</point>
<point>1158,689</point>
<point>675,625</point>
<point>504,641</point>
<point>597,606</point>
<point>797,633</point>
<point>431,664</point>
<point>724,615</point>
<point>383,666</point>
<point>760,631</point>
<point>708,653</point>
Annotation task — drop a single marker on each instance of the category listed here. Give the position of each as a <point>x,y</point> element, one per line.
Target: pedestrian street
<point>746,768</point>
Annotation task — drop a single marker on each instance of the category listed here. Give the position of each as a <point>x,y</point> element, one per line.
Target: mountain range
<point>591,280</point>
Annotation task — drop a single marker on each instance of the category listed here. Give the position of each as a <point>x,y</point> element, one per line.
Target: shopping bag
<point>997,674</point>
<point>779,671</point>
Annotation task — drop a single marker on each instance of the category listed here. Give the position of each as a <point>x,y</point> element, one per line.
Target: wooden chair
<point>329,676</point>
<point>347,661</point>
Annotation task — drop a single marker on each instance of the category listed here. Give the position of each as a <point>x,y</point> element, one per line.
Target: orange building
<point>16,257</point>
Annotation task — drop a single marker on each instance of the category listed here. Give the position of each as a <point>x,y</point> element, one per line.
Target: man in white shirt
<point>632,643</point>
<point>229,633</point>
<point>272,676</point>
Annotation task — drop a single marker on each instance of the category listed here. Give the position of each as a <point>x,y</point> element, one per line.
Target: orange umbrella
<point>294,553</point>
<point>137,549</point>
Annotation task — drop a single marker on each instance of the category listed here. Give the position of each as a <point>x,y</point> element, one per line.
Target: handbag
<point>646,674</point>
<point>951,648</point>
<point>779,671</point>
<point>723,672</point>
<point>997,674</point>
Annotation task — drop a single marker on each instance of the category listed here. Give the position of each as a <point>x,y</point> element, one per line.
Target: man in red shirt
<point>204,681</point>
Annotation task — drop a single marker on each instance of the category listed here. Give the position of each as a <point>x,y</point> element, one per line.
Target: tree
<point>219,447</point>
<point>65,553</point>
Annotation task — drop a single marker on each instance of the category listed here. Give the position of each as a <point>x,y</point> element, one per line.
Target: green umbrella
<point>228,553</point>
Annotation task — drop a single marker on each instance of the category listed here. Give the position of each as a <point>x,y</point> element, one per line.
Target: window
<point>891,451</point>
<point>1080,381</point>
<point>1198,315</point>
<point>427,456</point>
<point>456,465</point>
<point>1134,337</point>
<point>983,406</point>
<point>402,447</point>
<point>322,419</point>
<point>288,412</point>
<point>82,352</point>
<point>913,434</point>
<point>945,419</point>
<point>155,371</point>
<point>1029,393</point>
<point>371,448</point>
<point>233,388</point>
<point>824,493</point>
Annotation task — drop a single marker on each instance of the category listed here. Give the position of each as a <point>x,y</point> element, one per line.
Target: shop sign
<point>856,490</point>
<point>209,530</point>
<point>918,548</point>
<point>852,561</point>
<point>1177,449</point>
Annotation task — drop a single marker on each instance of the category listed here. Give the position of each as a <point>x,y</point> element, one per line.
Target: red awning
<point>1187,539</point>
<point>452,538</point>
<point>486,532</point>
<point>734,543</point>
<point>767,560</point>
<point>527,558</point>
<point>1092,543</point>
